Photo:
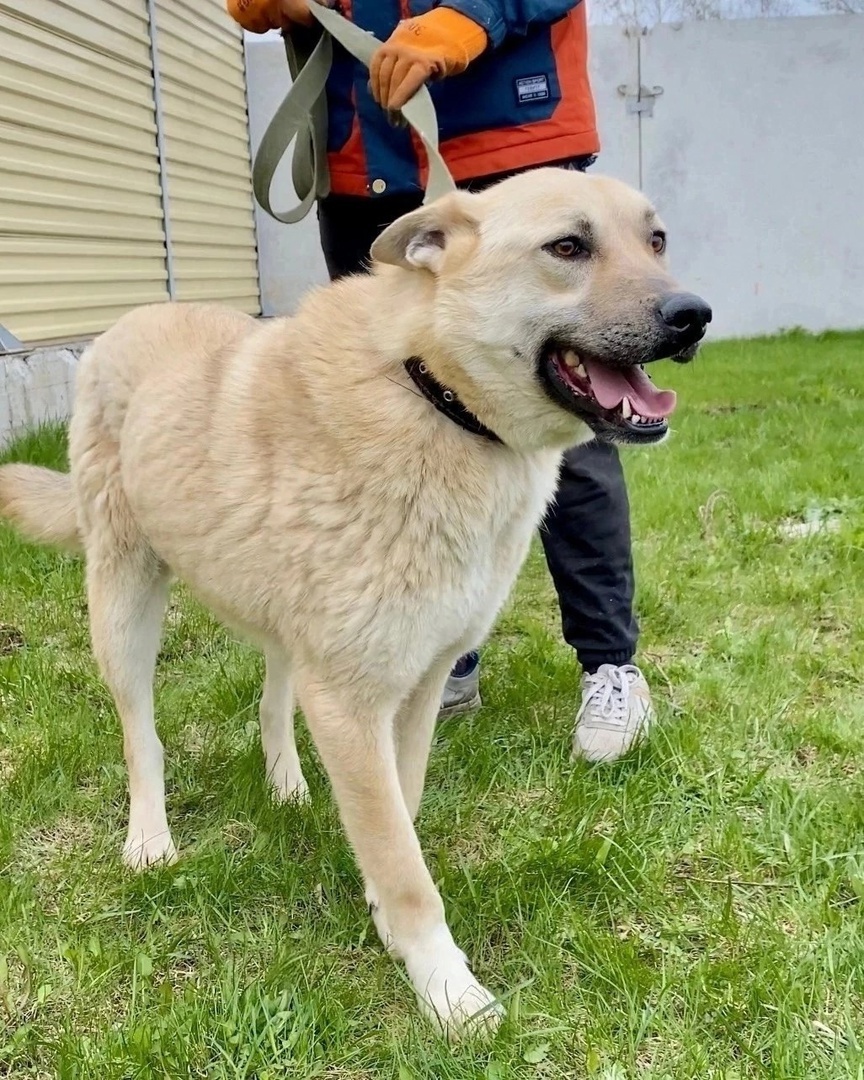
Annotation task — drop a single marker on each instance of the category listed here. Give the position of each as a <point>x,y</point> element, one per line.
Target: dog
<point>354,489</point>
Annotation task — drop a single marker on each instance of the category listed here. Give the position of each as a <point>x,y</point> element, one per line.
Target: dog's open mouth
<point>617,403</point>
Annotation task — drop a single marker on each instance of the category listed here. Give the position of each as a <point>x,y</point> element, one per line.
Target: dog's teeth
<point>626,409</point>
<point>581,372</point>
<point>571,359</point>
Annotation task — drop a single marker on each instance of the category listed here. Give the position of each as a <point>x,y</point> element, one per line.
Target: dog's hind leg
<point>127,592</point>
<point>277,729</point>
<point>356,742</point>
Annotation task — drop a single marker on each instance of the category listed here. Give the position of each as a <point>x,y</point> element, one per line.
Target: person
<point>509,79</point>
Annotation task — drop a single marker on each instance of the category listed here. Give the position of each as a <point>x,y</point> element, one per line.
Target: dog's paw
<point>458,1005</point>
<point>285,776</point>
<point>451,997</point>
<point>143,849</point>
<point>289,787</point>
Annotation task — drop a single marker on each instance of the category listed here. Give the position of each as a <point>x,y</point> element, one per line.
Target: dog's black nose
<point>685,312</point>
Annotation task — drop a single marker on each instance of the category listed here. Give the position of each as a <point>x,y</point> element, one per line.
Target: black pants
<point>586,534</point>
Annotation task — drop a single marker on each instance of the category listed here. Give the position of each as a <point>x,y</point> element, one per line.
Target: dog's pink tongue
<point>611,386</point>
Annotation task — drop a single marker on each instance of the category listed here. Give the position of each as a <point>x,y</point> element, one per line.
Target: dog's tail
<point>41,504</point>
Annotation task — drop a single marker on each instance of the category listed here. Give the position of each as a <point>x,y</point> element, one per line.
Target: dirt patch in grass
<point>11,639</point>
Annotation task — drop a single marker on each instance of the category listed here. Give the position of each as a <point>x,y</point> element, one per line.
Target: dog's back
<point>158,345</point>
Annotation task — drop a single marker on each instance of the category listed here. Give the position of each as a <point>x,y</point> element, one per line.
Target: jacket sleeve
<point>505,18</point>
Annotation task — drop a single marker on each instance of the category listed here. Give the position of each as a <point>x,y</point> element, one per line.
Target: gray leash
<point>303,115</point>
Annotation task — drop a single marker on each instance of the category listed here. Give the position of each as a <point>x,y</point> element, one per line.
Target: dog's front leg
<point>357,748</point>
<point>415,727</point>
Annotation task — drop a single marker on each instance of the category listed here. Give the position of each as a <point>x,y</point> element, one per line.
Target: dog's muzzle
<point>617,399</point>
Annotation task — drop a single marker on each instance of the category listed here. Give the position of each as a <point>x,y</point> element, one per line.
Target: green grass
<point>694,911</point>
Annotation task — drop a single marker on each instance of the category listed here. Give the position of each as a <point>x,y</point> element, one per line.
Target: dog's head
<point>547,294</point>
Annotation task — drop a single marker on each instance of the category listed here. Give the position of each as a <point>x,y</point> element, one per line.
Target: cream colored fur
<point>289,472</point>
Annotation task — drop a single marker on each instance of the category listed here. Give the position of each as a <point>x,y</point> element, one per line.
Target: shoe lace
<point>609,691</point>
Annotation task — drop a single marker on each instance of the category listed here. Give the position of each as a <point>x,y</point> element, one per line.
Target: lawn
<point>694,911</point>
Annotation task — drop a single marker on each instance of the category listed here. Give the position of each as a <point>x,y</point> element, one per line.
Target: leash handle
<point>303,115</point>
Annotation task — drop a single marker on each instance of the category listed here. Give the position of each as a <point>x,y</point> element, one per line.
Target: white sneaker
<point>616,712</point>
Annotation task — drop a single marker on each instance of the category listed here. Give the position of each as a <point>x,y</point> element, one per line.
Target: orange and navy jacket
<point>526,101</point>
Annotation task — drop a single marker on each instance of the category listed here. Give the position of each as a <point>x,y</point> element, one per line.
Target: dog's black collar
<point>445,400</point>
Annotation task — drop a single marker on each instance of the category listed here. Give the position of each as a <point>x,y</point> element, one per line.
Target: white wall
<point>754,154</point>
<point>614,62</point>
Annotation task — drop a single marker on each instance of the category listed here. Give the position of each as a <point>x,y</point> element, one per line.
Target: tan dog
<point>360,523</point>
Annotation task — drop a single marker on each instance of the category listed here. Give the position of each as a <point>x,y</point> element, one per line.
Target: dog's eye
<point>568,247</point>
<point>658,242</point>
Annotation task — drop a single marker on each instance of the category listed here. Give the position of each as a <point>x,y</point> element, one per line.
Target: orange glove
<point>441,42</point>
<point>259,16</point>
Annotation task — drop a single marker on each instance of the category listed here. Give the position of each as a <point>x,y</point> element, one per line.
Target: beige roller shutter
<point>203,102</point>
<point>81,229</point>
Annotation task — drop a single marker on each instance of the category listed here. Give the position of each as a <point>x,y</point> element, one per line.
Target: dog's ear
<point>418,240</point>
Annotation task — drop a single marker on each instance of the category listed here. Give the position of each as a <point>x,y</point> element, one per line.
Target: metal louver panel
<point>81,226</point>
<point>206,139</point>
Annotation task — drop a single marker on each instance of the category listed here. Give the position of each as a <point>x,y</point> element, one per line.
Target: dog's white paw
<point>145,847</point>
<point>289,786</point>
<point>451,997</point>
<point>285,775</point>
<point>459,1005</point>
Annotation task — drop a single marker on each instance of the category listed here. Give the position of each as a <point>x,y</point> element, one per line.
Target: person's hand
<point>441,42</point>
<point>259,16</point>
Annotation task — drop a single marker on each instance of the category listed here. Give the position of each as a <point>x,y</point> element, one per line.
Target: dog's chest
<point>431,568</point>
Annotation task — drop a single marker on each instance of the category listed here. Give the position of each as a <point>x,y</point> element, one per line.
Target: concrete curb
<point>36,387</point>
